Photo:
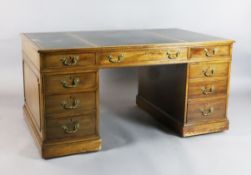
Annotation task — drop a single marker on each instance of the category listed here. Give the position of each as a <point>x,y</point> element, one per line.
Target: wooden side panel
<point>32,96</point>
<point>165,87</point>
<point>30,50</point>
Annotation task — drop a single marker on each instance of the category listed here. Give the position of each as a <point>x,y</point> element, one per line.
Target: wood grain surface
<point>183,82</point>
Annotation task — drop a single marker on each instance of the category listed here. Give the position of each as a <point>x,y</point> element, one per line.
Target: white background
<point>133,143</point>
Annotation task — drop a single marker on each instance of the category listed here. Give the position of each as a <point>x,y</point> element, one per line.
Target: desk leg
<point>163,92</point>
<point>65,131</point>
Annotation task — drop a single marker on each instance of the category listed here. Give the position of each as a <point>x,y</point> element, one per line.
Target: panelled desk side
<point>183,83</point>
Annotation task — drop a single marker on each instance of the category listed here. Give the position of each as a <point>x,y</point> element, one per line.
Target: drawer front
<point>208,70</point>
<point>209,52</point>
<point>71,104</point>
<point>68,61</point>
<point>70,127</point>
<point>198,89</point>
<point>139,57</point>
<point>206,109</point>
<point>67,83</point>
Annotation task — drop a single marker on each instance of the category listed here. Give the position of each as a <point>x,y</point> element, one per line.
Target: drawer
<point>139,57</point>
<point>209,52</point>
<point>70,104</point>
<point>208,70</point>
<point>67,83</point>
<point>206,109</point>
<point>68,60</point>
<point>200,89</point>
<point>71,127</point>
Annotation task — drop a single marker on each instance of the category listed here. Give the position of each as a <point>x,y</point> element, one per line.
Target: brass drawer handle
<point>207,91</point>
<point>70,60</point>
<point>209,72</point>
<point>73,84</point>
<point>119,58</point>
<point>71,103</point>
<point>71,128</point>
<point>206,111</point>
<point>210,53</point>
<point>173,55</point>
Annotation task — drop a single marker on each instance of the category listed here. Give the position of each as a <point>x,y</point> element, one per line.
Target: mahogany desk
<point>183,82</point>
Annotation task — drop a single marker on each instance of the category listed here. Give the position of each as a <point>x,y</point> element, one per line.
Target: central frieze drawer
<point>66,83</point>
<point>70,104</point>
<point>139,57</point>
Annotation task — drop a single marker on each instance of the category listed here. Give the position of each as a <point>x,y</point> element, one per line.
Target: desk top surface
<point>117,38</point>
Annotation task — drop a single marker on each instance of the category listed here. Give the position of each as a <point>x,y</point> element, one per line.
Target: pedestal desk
<point>183,82</point>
